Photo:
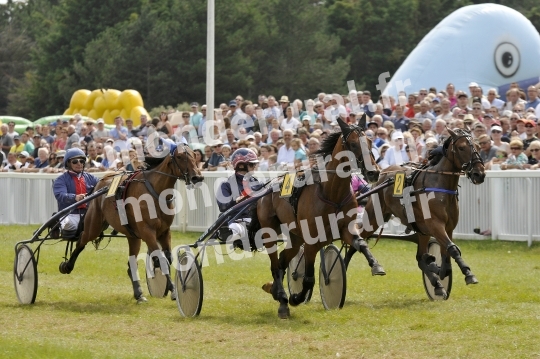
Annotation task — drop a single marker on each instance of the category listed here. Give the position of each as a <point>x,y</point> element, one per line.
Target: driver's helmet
<point>241,157</point>
<point>73,153</point>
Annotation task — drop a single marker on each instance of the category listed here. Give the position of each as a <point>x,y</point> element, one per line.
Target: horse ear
<point>452,133</point>
<point>344,127</point>
<point>362,121</point>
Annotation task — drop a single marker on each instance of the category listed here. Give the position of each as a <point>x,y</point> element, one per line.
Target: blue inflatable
<point>490,44</point>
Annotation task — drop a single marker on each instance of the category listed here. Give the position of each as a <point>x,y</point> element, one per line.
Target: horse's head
<point>184,165</point>
<point>356,141</point>
<point>465,155</point>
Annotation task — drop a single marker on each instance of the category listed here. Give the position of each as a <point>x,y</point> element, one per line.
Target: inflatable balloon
<point>473,44</point>
<point>107,104</point>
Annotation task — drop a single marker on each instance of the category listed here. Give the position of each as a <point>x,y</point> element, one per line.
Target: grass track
<point>91,313</point>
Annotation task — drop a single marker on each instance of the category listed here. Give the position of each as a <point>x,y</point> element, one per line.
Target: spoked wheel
<point>332,278</point>
<point>435,250</point>
<point>295,274</point>
<point>25,275</point>
<point>157,286</point>
<point>188,285</point>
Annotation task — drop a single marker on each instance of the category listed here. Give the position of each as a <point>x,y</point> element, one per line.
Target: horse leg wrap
<point>361,246</point>
<point>278,292</point>
<point>454,252</point>
<point>168,255</point>
<point>446,268</point>
<point>137,290</point>
<point>429,260</point>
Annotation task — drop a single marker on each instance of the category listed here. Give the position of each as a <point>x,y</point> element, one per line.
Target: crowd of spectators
<point>285,133</point>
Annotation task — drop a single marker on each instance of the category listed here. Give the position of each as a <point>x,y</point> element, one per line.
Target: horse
<point>336,209</point>
<point>147,218</point>
<point>440,218</point>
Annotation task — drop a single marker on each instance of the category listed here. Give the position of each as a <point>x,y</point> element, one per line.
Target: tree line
<point>51,48</point>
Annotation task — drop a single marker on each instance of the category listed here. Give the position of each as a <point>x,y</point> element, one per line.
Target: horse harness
<point>121,191</point>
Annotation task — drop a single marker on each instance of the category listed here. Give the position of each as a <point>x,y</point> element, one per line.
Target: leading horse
<point>327,209</point>
<point>429,206</point>
<point>148,218</point>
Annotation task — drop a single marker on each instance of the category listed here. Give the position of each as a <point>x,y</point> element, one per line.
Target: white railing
<point>508,203</point>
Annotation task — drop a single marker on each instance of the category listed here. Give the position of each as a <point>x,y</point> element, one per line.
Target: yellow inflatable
<point>107,104</point>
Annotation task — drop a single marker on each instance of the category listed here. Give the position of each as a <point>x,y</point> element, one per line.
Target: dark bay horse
<point>326,211</point>
<point>148,218</point>
<point>437,213</point>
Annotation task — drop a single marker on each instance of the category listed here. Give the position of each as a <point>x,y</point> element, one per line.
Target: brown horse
<point>148,216</point>
<point>433,211</point>
<point>327,211</point>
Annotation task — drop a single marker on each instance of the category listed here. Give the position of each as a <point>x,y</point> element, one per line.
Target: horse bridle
<point>359,161</point>
<point>183,174</point>
<point>475,158</point>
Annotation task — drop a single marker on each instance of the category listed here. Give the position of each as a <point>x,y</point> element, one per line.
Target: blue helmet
<point>73,153</point>
<point>243,155</point>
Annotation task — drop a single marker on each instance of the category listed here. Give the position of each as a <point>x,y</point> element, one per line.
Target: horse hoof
<point>284,312</point>
<point>142,300</point>
<point>441,292</point>
<point>377,269</point>
<point>173,294</point>
<point>267,287</point>
<point>64,269</point>
<point>471,279</point>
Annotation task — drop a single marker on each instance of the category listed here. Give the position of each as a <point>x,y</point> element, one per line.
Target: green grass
<point>91,313</point>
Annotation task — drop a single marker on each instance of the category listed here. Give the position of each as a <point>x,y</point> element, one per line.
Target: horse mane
<point>328,145</point>
<point>153,162</point>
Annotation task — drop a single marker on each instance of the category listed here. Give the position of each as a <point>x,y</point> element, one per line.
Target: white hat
<point>473,84</point>
<point>100,120</point>
<point>396,135</point>
<point>496,128</point>
<point>306,117</point>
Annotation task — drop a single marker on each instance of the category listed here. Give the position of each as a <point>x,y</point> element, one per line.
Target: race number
<point>287,185</point>
<point>114,186</point>
<point>398,184</point>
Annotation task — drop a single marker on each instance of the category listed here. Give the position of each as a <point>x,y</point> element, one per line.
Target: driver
<point>237,187</point>
<point>72,186</point>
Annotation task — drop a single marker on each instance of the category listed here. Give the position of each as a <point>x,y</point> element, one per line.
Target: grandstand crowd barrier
<point>508,203</point>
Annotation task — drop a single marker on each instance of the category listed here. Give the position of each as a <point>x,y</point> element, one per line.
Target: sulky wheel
<point>25,275</point>
<point>295,274</point>
<point>188,285</point>
<point>332,278</point>
<point>157,286</point>
<point>435,250</point>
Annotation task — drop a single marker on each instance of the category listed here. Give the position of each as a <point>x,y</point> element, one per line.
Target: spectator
<point>6,140</point>
<point>409,112</point>
<point>493,99</point>
<point>424,112</point>
<point>517,158</point>
<point>142,130</point>
<point>367,104</point>
<point>477,109</point>
<point>534,101</point>
<point>399,120</point>
<point>382,137</point>
<point>463,102</point>
<point>440,128</point>
<point>313,145</point>
<point>216,158</point>
<point>263,160</point>
<point>72,137</point>
<point>487,151</point>
<point>12,163</point>
<point>199,158</point>
<point>284,102</point>
<point>164,126</point>
<point>27,142</point>
<point>275,134</point>
<point>534,161</point>
<point>512,99</point>
<point>299,152</point>
<point>286,154</point>
<point>120,134</point>
<point>520,127</point>
<point>289,122</point>
<point>25,160</point>
<point>478,130</point>
<point>496,136</point>
<point>272,163</point>
<point>18,146</point>
<point>530,133</point>
<point>11,130</point>
<point>396,154</point>
<point>129,126</point>
<point>85,137</point>
<point>273,110</point>
<point>382,150</point>
<point>101,134</point>
<point>196,116</point>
